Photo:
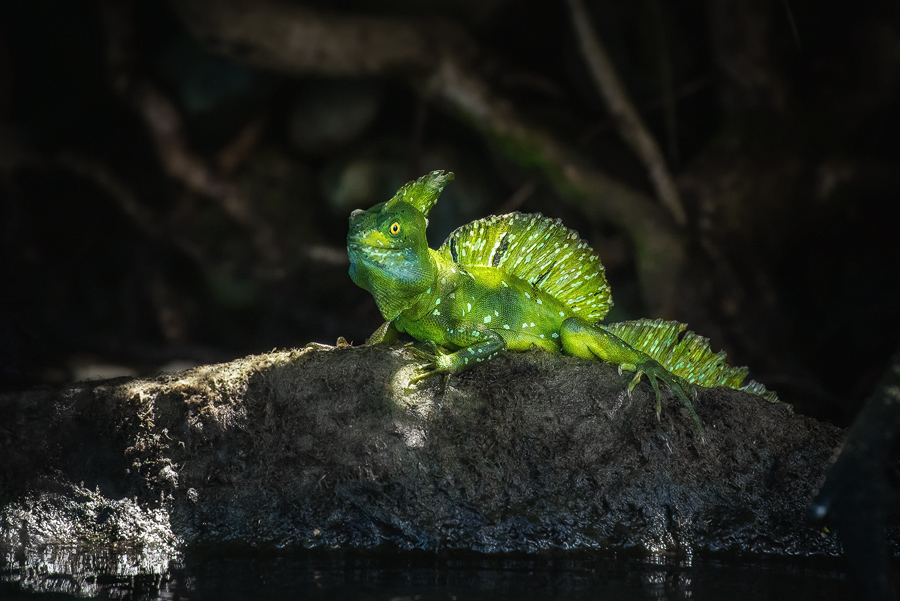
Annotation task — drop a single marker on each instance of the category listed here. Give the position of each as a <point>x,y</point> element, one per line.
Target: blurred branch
<point>660,250</point>
<point>629,123</point>
<point>514,202</point>
<point>101,175</point>
<point>435,56</point>
<point>195,173</point>
<point>292,38</point>
<point>164,124</point>
<point>749,76</point>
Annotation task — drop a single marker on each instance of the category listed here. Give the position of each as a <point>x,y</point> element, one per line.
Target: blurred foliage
<point>783,148</point>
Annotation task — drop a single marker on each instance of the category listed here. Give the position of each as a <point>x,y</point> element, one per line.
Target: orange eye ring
<point>395,228</point>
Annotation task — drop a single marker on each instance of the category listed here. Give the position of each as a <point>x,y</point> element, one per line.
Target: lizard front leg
<point>438,362</point>
<point>582,339</point>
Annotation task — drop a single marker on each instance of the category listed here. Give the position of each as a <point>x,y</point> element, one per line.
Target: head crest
<point>423,192</point>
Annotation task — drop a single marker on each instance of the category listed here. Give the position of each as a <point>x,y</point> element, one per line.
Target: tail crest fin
<point>687,355</point>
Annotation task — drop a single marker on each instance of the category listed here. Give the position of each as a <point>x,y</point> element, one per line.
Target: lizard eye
<point>395,228</point>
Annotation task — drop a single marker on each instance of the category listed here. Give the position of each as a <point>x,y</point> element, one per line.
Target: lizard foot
<point>435,361</point>
<point>684,390</point>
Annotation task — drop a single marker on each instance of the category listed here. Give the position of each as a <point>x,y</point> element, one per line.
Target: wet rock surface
<point>328,447</point>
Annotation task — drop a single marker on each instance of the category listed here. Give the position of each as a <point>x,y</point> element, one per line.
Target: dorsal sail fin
<point>539,250</point>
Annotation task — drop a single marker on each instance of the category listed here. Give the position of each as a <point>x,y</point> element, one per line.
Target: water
<point>388,576</point>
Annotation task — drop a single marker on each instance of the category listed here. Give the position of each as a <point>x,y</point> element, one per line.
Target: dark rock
<point>327,447</point>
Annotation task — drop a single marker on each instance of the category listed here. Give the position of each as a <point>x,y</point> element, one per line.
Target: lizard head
<point>388,251</point>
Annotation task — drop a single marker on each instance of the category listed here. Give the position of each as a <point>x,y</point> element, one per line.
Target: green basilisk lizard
<point>513,282</point>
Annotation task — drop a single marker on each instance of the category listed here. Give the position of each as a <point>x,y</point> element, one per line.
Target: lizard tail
<point>686,355</point>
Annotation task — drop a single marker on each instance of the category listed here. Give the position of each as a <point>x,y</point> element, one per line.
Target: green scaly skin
<point>477,296</point>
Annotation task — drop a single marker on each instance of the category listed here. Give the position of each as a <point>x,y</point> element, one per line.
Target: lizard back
<point>539,250</point>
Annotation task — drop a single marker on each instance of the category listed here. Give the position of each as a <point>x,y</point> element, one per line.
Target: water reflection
<point>117,572</point>
<point>133,574</point>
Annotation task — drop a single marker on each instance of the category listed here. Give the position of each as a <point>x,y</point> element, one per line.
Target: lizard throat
<point>396,277</point>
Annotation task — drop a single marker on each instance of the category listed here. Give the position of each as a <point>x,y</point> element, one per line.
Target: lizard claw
<point>432,362</point>
<point>634,380</point>
<point>421,375</point>
<point>685,391</point>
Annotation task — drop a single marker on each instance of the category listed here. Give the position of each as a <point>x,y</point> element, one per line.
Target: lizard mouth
<point>372,254</point>
<point>371,249</point>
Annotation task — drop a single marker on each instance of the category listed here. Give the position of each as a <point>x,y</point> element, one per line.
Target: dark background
<point>162,205</point>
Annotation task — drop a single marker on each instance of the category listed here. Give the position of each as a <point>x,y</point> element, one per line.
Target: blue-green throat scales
<point>513,282</point>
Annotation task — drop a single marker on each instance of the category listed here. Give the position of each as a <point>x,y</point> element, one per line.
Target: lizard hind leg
<point>582,339</point>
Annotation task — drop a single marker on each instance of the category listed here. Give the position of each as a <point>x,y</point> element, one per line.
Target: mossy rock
<point>330,447</point>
